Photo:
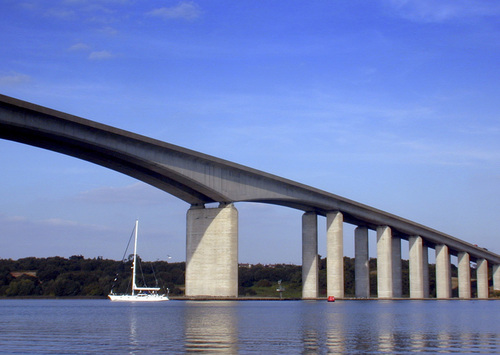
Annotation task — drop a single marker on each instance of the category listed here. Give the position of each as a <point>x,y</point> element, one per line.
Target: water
<point>249,327</point>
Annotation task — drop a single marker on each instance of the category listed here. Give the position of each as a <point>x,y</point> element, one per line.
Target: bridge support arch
<point>212,251</point>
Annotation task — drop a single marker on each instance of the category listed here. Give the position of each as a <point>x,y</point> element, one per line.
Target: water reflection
<point>309,329</point>
<point>335,333</point>
<point>133,340</point>
<point>313,327</point>
<point>417,341</point>
<point>211,327</point>
<point>295,327</point>
<point>395,327</point>
<point>385,327</point>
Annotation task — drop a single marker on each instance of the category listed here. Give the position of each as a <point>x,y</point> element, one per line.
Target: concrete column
<point>416,245</point>
<point>425,261</point>
<point>212,252</point>
<point>310,286</point>
<point>384,262</point>
<point>361,263</point>
<point>335,254</point>
<point>464,290</point>
<point>397,276</point>
<point>482,279</point>
<point>443,276</point>
<point>496,277</point>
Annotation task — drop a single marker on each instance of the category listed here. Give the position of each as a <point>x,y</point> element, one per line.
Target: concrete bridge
<point>212,233</point>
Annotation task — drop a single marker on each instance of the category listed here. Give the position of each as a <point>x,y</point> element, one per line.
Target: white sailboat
<point>138,294</point>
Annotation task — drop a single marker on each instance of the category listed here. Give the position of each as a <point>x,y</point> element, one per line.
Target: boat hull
<point>138,298</point>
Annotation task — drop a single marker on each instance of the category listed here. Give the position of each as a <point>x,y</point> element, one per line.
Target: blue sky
<point>391,103</point>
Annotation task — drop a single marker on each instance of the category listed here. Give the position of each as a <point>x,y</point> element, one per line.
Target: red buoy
<point>331,299</point>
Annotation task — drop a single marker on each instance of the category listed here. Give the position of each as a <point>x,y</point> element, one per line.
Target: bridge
<point>212,232</point>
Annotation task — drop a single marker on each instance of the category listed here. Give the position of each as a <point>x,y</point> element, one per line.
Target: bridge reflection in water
<point>312,327</point>
<point>211,327</point>
<point>246,327</point>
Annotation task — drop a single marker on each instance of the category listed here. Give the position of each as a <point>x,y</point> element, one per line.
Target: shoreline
<point>205,299</point>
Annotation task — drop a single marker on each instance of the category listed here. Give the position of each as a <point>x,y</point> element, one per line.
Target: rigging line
<point>154,274</point>
<point>142,274</point>
<point>129,240</point>
<point>115,281</point>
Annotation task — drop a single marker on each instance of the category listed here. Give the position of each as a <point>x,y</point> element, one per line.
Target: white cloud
<point>14,79</point>
<point>79,47</point>
<point>108,30</point>
<point>186,10</point>
<point>13,219</point>
<point>100,55</point>
<point>62,14</point>
<point>440,11</point>
<point>54,236</point>
<point>57,222</point>
<point>138,193</point>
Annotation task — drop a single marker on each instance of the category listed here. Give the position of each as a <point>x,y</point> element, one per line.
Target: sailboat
<point>138,294</point>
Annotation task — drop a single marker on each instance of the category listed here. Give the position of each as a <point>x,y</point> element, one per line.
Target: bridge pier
<point>443,276</point>
<point>212,251</point>
<point>416,245</point>
<point>384,262</point>
<point>310,284</point>
<point>425,255</point>
<point>496,277</point>
<point>361,263</point>
<point>397,276</point>
<point>482,279</point>
<point>335,254</point>
<point>464,285</point>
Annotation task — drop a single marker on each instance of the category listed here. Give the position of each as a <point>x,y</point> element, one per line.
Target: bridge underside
<point>143,170</point>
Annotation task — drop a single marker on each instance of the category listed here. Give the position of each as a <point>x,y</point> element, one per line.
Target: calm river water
<point>249,327</point>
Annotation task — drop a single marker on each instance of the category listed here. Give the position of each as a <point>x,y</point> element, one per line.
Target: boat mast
<point>135,256</point>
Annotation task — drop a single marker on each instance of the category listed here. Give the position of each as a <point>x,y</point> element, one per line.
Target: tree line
<point>80,277</point>
<point>77,276</point>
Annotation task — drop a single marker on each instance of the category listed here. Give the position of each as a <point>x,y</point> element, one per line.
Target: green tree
<point>64,285</point>
<point>23,286</point>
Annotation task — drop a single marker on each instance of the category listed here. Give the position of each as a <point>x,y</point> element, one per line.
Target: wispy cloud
<point>84,11</point>
<point>109,31</point>
<point>100,55</point>
<point>16,222</point>
<point>92,55</point>
<point>53,236</point>
<point>60,13</point>
<point>14,79</point>
<point>429,152</point>
<point>58,222</point>
<point>138,193</point>
<point>79,47</point>
<point>440,11</point>
<point>185,10</point>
